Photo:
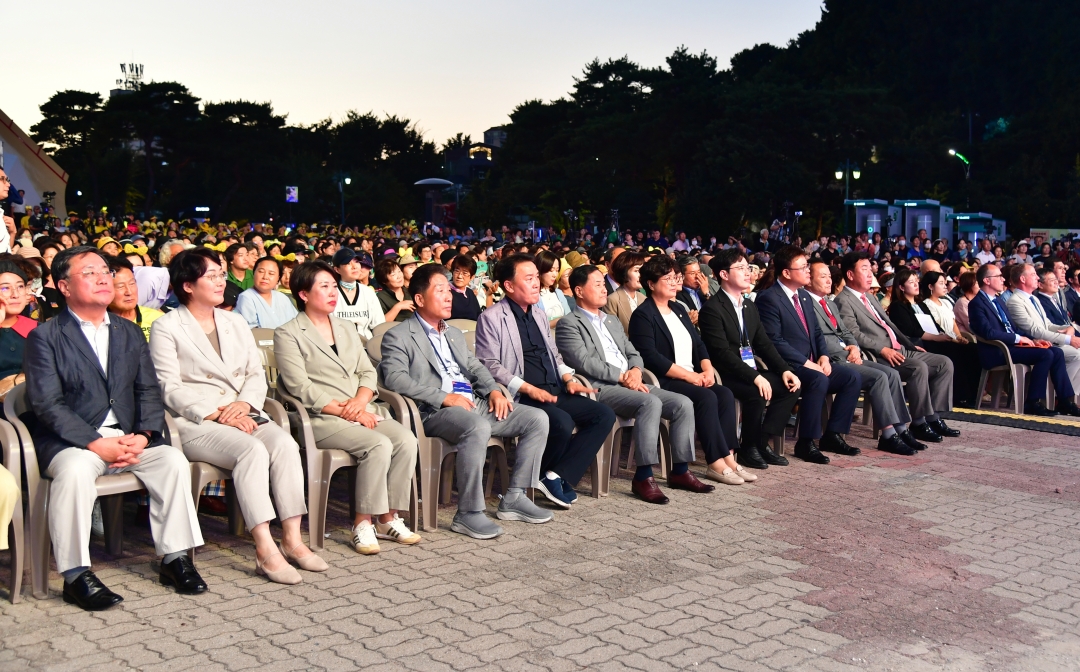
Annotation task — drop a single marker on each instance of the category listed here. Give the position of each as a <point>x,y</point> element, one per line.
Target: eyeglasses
<point>215,277</point>
<point>799,268</point>
<point>671,279</point>
<point>8,290</point>
<point>97,273</point>
<point>4,180</point>
<point>739,267</point>
<point>462,272</point>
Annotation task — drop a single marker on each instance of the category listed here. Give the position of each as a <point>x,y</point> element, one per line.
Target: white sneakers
<point>363,539</point>
<point>366,535</point>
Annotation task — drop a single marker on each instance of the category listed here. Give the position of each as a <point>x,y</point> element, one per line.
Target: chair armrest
<point>174,431</point>
<point>716,376</point>
<point>291,404</point>
<point>649,378</point>
<point>277,413</point>
<point>1004,350</point>
<point>585,381</point>
<point>12,452</point>
<point>969,336</point>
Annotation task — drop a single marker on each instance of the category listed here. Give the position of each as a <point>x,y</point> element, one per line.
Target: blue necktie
<point>1002,315</point>
<point>1038,308</point>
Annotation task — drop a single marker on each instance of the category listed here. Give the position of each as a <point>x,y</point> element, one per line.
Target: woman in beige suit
<point>212,380</point>
<point>321,361</point>
<point>628,296</point>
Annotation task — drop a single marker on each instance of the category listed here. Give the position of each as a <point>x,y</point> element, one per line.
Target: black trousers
<point>714,416</point>
<point>567,454</point>
<point>966,370</point>
<point>762,419</point>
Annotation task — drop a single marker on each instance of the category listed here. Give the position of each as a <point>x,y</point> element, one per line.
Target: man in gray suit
<point>428,361</point>
<point>595,344</point>
<point>882,384</point>
<point>929,377</point>
<point>1030,319</point>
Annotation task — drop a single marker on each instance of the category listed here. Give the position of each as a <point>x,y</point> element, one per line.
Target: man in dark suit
<point>989,320</point>
<point>1050,294</point>
<point>733,336</point>
<point>92,388</point>
<point>787,314</point>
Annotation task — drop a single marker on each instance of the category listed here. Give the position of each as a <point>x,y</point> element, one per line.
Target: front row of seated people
<point>99,393</point>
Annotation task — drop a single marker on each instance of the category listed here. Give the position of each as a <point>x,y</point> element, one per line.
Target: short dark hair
<point>303,278</point>
<point>1044,271</point>
<point>230,252</point>
<point>967,281</point>
<point>117,264</point>
<point>579,277</point>
<point>980,275</point>
<point>189,266</point>
<point>465,262</point>
<point>250,236</point>
<point>383,268</point>
<point>61,264</point>
<point>422,277</point>
<point>620,268</point>
<point>725,259</point>
<point>654,269</point>
<point>787,255</point>
<point>850,260</point>
<point>269,260</point>
<point>926,283</point>
<point>506,269</point>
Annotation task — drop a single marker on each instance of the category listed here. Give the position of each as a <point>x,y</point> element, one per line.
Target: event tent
<point>29,168</point>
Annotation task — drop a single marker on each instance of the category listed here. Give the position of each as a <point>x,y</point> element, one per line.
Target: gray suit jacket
<point>868,332</point>
<point>836,338</point>
<point>410,367</point>
<point>581,348</point>
<point>1034,324</point>
<point>194,380</point>
<point>498,343</point>
<point>310,370</point>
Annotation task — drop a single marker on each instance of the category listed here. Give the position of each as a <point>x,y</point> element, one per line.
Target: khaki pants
<point>386,462</point>
<point>164,471</point>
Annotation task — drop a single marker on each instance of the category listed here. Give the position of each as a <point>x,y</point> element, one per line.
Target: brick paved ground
<point>964,558</point>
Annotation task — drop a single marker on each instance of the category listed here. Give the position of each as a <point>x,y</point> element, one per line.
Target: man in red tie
<point>787,314</point>
<point>884,389</point>
<point>929,377</point>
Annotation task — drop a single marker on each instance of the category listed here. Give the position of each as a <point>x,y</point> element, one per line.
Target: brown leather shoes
<point>689,482</point>
<point>649,491</point>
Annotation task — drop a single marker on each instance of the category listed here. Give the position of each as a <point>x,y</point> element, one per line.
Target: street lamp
<point>845,169</point>
<point>967,164</point>
<point>341,182</point>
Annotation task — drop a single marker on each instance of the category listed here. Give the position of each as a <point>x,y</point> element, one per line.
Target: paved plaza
<point>965,557</point>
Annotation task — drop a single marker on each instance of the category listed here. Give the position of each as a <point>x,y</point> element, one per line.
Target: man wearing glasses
<point>990,321</point>
<point>92,388</point>
<point>787,313</point>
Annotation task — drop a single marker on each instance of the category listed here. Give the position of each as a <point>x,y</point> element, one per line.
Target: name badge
<point>747,355</point>
<point>464,389</point>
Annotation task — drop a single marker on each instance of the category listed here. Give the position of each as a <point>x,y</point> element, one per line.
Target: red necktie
<point>825,307</point>
<point>892,337</point>
<point>798,309</point>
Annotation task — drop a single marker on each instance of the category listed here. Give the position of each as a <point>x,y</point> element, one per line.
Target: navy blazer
<point>653,340</point>
<point>786,330</point>
<point>1053,313</point>
<point>986,324</point>
<point>70,395</point>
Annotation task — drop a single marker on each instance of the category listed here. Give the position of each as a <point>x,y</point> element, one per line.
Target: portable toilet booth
<point>974,226</point>
<point>873,215</point>
<point>927,214</point>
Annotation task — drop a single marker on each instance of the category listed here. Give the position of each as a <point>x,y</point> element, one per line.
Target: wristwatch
<point>149,435</point>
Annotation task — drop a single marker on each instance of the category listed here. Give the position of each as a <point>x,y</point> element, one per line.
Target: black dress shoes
<point>1067,408</point>
<point>181,574</point>
<point>941,428</point>
<point>807,450</point>
<point>688,481</point>
<point>749,457</point>
<point>89,593</point>
<point>909,439</point>
<point>1039,408</point>
<point>834,442</point>
<point>649,491</point>
<point>894,444</point>
<point>772,458</point>
<point>924,432</point>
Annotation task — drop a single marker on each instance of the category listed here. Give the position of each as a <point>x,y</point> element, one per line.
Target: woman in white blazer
<point>322,362</point>
<point>212,380</point>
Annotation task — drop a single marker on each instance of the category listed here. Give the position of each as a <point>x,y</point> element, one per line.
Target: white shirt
<point>684,345</point>
<point>736,301</point>
<point>985,257</point>
<point>612,354</point>
<point>449,371</point>
<point>365,312</point>
<point>98,337</point>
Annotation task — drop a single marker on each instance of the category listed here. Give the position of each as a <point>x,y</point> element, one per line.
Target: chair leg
<point>1018,378</point>
<point>447,477</point>
<point>429,487</point>
<point>352,493</point>
<point>17,544</point>
<point>414,506</point>
<point>37,532</point>
<point>112,515</point>
<point>232,506</point>
<point>614,450</point>
<point>504,468</point>
<point>318,494</point>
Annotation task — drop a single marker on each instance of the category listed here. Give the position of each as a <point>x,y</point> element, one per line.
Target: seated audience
<point>625,298</point>
<point>397,307</point>
<point>125,301</point>
<point>466,305</point>
<point>262,305</point>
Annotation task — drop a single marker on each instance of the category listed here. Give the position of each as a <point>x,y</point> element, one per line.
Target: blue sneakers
<point>568,490</point>
<point>553,490</point>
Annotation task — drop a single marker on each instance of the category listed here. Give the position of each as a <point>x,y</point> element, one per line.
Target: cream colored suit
<point>310,370</point>
<point>1029,319</point>
<point>195,382</point>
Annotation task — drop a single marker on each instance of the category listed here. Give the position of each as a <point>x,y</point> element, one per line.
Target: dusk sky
<point>449,67</point>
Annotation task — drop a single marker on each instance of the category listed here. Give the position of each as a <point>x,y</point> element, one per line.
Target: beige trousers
<point>164,471</point>
<point>386,462</point>
<point>266,459</point>
<point>9,499</point>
